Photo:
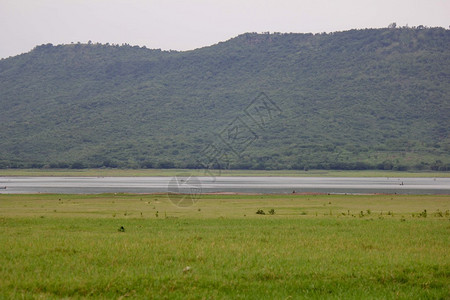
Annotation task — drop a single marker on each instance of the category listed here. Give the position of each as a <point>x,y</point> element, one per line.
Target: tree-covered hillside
<point>375,98</point>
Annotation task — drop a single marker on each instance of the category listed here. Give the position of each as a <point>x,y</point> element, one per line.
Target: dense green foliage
<point>359,99</point>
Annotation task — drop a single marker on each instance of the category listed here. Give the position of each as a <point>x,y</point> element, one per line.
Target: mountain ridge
<point>376,98</point>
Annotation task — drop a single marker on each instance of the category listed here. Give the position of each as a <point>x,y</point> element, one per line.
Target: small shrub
<point>272,211</point>
<point>439,214</point>
<point>260,212</point>
<point>121,229</point>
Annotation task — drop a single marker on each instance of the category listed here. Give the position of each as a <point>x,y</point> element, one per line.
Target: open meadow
<point>298,246</point>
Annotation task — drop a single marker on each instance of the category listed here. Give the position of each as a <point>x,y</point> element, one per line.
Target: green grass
<point>174,172</point>
<point>314,246</point>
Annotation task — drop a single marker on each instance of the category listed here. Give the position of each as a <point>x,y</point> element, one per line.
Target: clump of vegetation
<point>438,213</point>
<point>121,229</point>
<point>260,212</point>
<point>272,211</point>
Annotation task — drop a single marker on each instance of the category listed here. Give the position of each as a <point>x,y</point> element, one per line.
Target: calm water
<point>93,185</point>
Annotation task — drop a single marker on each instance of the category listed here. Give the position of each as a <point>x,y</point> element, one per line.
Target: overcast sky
<point>190,24</point>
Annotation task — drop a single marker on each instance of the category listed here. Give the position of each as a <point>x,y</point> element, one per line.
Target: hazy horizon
<point>178,25</point>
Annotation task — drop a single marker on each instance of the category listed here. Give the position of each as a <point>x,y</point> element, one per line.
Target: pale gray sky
<point>184,25</point>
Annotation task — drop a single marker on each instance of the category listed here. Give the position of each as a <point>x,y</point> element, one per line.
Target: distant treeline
<point>386,165</point>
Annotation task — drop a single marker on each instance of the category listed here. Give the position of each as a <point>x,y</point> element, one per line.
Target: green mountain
<point>374,98</point>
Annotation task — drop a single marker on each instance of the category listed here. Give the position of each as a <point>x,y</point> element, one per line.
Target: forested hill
<point>374,98</point>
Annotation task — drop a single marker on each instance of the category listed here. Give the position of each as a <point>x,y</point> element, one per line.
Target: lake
<point>186,184</point>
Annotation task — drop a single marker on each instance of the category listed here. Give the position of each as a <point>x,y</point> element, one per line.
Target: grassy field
<point>174,172</point>
<point>143,246</point>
